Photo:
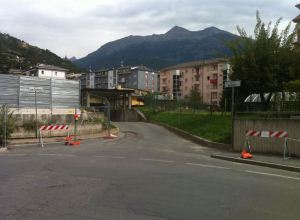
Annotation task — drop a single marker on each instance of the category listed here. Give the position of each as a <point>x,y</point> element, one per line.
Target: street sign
<point>232,84</point>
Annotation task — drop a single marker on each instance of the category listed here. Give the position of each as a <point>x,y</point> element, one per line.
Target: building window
<point>214,95</point>
<point>208,78</point>
<point>55,73</point>
<point>43,72</point>
<point>185,79</point>
<point>215,86</point>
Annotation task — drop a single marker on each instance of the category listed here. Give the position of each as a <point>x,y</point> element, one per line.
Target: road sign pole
<point>232,118</point>
<point>232,85</point>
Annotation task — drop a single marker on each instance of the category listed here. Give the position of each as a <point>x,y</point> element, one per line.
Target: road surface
<point>149,173</point>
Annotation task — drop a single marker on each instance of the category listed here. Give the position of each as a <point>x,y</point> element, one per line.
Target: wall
<point>125,115</point>
<point>81,130</point>
<point>43,73</point>
<point>19,92</point>
<point>267,145</point>
<point>84,123</point>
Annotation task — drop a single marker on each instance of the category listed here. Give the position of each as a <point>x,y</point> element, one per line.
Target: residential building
<point>106,79</point>
<point>87,80</point>
<point>138,77</point>
<point>47,71</point>
<point>177,81</point>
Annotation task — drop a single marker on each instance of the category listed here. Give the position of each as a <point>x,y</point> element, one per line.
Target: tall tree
<point>266,61</point>
<point>194,97</point>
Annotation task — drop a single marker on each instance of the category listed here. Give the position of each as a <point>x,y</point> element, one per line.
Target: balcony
<point>214,81</point>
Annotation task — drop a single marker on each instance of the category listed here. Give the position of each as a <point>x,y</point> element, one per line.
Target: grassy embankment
<point>215,127</point>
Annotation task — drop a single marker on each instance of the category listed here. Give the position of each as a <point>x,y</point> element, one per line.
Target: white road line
<point>48,154</point>
<point>205,165</point>
<point>274,175</point>
<point>157,160</point>
<point>66,155</point>
<point>14,155</point>
<point>111,157</point>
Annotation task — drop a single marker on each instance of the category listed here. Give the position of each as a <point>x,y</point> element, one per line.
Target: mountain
<point>160,50</point>
<point>72,59</point>
<point>16,54</point>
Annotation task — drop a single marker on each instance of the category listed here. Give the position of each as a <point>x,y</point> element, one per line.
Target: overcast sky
<point>79,27</point>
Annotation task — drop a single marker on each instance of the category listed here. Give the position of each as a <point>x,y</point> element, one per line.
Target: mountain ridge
<point>17,54</point>
<point>160,50</point>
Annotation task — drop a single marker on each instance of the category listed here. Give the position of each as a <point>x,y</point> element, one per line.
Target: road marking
<point>47,154</point>
<point>157,160</point>
<point>66,155</point>
<point>274,175</point>
<point>17,155</point>
<point>206,165</point>
<point>111,157</point>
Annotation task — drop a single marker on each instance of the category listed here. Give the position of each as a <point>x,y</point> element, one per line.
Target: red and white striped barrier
<point>270,134</point>
<point>54,127</point>
<point>252,133</point>
<point>267,134</point>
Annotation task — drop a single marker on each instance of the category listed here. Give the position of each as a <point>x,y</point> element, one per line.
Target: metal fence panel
<point>65,93</point>
<point>28,87</point>
<point>27,91</point>
<point>8,90</point>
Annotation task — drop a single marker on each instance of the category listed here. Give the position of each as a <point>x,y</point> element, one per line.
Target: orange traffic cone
<point>246,155</point>
<point>68,139</point>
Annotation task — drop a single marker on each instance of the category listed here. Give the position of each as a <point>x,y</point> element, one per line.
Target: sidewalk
<point>266,160</point>
<point>18,143</point>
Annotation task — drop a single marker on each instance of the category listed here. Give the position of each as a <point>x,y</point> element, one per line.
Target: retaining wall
<point>81,130</point>
<point>267,145</point>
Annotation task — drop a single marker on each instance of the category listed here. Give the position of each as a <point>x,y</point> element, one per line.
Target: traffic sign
<point>232,84</point>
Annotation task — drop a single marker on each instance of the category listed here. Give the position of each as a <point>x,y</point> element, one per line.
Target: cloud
<point>78,27</point>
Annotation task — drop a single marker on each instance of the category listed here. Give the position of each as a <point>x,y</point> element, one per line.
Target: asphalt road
<point>148,173</point>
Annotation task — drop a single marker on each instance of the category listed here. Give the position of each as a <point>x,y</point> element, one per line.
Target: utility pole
<point>232,85</point>
<point>232,117</point>
<point>36,114</point>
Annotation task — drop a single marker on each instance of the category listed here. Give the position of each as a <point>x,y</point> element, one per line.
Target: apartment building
<point>106,79</point>
<point>87,80</point>
<point>138,77</point>
<point>177,81</point>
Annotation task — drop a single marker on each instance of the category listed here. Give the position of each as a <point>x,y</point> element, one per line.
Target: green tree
<point>194,97</point>
<point>266,61</point>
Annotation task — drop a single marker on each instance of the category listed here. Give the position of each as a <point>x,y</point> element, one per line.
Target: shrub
<point>10,124</point>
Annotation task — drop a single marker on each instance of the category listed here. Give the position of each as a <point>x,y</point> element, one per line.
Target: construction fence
<point>23,92</point>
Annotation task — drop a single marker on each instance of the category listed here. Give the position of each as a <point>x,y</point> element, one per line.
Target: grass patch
<point>215,127</point>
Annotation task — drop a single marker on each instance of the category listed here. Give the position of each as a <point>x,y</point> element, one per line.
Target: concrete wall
<point>267,145</point>
<point>125,115</point>
<point>57,119</point>
<point>81,130</point>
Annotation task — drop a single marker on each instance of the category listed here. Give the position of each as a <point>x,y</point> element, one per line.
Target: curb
<point>258,163</point>
<point>3,149</point>
<point>194,138</point>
